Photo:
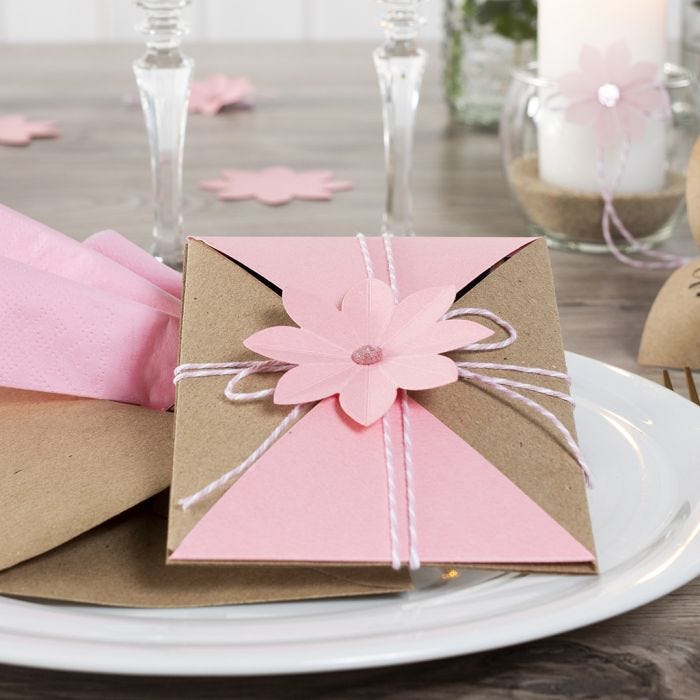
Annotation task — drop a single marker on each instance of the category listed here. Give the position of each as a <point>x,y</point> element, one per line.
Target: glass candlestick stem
<point>400,65</point>
<point>163,77</point>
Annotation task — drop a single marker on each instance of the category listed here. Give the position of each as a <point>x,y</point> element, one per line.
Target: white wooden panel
<point>243,20</point>
<point>433,20</point>
<point>359,19</point>
<point>220,20</point>
<point>675,19</point>
<point>51,20</point>
<point>125,16</point>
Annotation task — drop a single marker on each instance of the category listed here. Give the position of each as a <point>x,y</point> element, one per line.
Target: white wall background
<point>217,20</point>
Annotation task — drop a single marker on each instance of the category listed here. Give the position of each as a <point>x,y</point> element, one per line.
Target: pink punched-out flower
<point>211,95</point>
<point>275,185</point>
<point>613,95</point>
<point>366,350</point>
<point>16,130</point>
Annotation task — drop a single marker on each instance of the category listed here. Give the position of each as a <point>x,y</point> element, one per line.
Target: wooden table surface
<point>318,107</point>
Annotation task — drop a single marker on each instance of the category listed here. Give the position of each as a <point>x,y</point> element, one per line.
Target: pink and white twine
<point>655,259</point>
<point>508,387</point>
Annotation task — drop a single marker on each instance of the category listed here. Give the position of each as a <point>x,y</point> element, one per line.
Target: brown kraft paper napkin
<point>121,563</point>
<point>68,466</point>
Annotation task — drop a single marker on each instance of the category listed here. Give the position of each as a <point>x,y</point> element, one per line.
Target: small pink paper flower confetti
<point>368,349</point>
<point>613,94</point>
<point>16,130</point>
<point>276,185</point>
<point>210,96</point>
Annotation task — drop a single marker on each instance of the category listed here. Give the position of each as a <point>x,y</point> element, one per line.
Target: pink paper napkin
<point>114,246</point>
<point>30,242</point>
<point>82,321</point>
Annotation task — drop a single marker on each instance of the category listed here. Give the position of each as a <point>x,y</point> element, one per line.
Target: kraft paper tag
<point>671,335</point>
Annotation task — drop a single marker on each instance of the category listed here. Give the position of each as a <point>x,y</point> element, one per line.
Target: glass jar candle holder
<point>690,45</point>
<point>553,173</point>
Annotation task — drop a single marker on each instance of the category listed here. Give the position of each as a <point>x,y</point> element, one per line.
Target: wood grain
<point>318,108</point>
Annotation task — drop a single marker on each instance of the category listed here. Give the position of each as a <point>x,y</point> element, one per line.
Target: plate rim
<point>159,660</point>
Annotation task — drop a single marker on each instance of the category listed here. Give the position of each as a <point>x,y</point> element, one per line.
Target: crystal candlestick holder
<point>163,77</point>
<point>400,65</point>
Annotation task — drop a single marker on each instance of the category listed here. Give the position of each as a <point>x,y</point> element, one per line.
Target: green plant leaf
<point>512,19</point>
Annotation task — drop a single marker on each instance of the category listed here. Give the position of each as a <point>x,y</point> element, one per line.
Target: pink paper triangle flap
<point>320,495</point>
<point>329,266</point>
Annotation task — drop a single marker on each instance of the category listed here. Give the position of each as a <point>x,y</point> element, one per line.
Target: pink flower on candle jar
<point>367,349</point>
<point>612,94</point>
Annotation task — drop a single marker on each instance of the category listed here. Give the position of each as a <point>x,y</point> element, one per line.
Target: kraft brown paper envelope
<point>68,465</point>
<point>531,457</point>
<point>225,302</point>
<point>671,336</point>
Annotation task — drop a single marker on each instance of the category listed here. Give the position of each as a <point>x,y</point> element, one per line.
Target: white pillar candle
<point>568,152</point>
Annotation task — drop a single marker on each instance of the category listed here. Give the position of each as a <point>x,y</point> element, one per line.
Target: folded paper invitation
<point>368,426</point>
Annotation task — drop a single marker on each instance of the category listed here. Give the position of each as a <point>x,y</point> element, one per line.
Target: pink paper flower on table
<point>612,94</point>
<point>16,130</point>
<point>210,96</point>
<point>367,349</point>
<point>276,185</point>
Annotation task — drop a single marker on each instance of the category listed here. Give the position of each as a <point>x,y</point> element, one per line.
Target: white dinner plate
<point>643,445</point>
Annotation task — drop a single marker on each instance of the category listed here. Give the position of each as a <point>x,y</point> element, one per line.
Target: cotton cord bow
<point>466,372</point>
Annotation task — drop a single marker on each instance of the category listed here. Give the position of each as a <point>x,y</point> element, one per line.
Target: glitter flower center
<point>367,355</point>
<point>608,94</point>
